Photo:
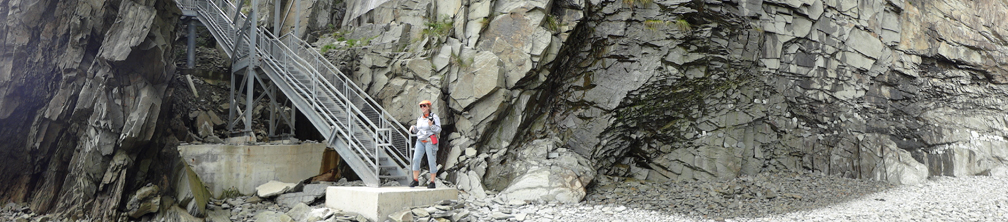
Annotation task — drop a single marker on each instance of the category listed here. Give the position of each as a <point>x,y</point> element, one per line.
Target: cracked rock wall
<point>889,90</point>
<point>82,86</point>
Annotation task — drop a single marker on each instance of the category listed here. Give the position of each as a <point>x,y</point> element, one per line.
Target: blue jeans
<point>431,151</point>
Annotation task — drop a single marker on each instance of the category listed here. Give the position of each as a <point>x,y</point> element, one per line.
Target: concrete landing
<point>376,203</point>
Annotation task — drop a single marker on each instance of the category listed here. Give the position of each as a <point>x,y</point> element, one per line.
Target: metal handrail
<point>272,50</point>
<point>300,63</point>
<point>384,116</point>
<point>357,90</point>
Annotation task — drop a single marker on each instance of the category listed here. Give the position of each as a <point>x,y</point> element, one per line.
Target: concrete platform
<point>376,203</point>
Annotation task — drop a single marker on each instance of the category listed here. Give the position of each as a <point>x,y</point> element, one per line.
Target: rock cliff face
<point>82,89</point>
<point>694,90</point>
<point>894,91</point>
<point>540,96</point>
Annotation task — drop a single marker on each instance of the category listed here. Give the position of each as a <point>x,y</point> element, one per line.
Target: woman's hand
<point>411,128</point>
<point>430,122</point>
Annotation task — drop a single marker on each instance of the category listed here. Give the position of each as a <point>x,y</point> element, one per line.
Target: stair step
<point>307,85</point>
<point>391,177</point>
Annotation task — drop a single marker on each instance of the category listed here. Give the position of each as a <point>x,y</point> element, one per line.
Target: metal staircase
<point>369,140</point>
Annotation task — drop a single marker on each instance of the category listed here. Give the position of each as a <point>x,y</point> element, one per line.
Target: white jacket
<point>424,130</point>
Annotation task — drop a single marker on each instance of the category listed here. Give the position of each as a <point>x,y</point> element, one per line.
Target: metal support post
<point>276,18</point>
<point>253,62</point>
<point>297,18</point>
<point>234,104</point>
<point>191,54</point>
<point>274,108</point>
<point>191,46</point>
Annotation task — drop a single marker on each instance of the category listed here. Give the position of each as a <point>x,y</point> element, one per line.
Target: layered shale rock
<point>694,90</point>
<point>479,61</point>
<point>661,90</point>
<point>82,88</point>
<point>846,88</point>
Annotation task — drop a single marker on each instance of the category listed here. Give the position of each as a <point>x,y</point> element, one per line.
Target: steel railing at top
<point>287,52</point>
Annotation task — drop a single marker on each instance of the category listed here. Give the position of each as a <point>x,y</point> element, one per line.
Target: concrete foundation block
<point>245,167</point>
<point>376,203</point>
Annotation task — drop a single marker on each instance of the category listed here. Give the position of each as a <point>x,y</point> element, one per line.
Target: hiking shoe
<point>414,183</point>
<point>430,185</point>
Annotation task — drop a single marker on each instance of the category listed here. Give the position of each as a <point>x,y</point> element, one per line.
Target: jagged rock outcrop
<point>686,90</point>
<point>662,90</point>
<point>479,61</point>
<point>302,17</point>
<point>144,201</point>
<point>544,171</point>
<point>82,89</point>
<point>848,88</point>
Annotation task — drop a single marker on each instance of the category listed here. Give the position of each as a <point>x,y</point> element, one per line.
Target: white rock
<point>453,156</point>
<point>864,42</point>
<point>273,188</point>
<point>298,212</point>
<point>446,9</point>
<point>271,216</point>
<point>442,58</point>
<point>500,216</point>
<point>482,77</point>
<point>520,216</point>
<point>470,152</point>
<point>1000,171</point>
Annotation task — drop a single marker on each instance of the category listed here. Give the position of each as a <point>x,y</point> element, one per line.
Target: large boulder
<point>302,212</point>
<point>146,200</point>
<point>190,191</point>
<point>477,81</point>
<point>309,194</point>
<point>545,171</point>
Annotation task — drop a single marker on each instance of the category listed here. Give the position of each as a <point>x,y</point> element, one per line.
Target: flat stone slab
<point>273,188</point>
<point>376,203</point>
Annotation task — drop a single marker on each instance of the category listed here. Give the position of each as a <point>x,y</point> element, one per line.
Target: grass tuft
<point>653,25</point>
<point>438,29</point>
<point>683,25</point>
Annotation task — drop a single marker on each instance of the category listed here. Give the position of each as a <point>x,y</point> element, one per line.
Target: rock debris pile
<point>764,197</point>
<point>746,196</point>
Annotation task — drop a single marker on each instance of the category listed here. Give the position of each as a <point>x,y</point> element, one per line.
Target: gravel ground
<point>799,198</point>
<point>941,199</point>
<point>766,197</point>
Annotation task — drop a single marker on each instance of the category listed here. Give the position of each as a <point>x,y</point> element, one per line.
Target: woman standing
<point>427,127</point>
